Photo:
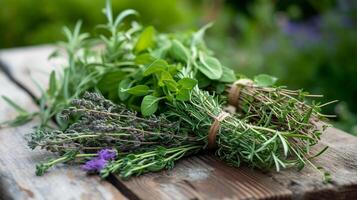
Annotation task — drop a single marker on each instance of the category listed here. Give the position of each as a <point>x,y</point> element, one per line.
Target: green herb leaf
<point>183,95</point>
<point>228,75</point>
<point>157,66</point>
<point>108,85</point>
<point>123,85</point>
<point>179,51</point>
<point>203,81</point>
<point>145,40</point>
<point>264,80</point>
<point>171,85</point>
<point>187,83</point>
<point>20,119</point>
<point>198,36</point>
<point>139,90</point>
<point>53,85</point>
<point>149,105</point>
<point>164,76</point>
<point>14,105</point>
<point>144,59</point>
<point>210,67</point>
<point>123,15</point>
<point>220,87</point>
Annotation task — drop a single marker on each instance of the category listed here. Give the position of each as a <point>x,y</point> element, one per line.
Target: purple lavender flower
<point>99,162</point>
<point>107,154</point>
<point>96,164</point>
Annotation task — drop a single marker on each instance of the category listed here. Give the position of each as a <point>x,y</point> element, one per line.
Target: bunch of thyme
<point>283,109</point>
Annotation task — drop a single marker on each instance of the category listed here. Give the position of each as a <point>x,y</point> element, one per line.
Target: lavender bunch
<point>96,123</point>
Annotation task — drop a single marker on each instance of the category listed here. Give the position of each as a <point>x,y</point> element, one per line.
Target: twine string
<point>235,91</point>
<point>214,129</point>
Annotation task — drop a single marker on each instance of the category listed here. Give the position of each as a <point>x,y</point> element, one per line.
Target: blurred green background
<point>306,44</point>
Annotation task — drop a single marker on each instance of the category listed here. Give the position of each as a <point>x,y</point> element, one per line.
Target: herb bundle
<point>159,97</point>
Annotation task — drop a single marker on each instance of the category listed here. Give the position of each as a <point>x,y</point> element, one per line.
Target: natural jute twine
<point>235,91</point>
<point>213,131</point>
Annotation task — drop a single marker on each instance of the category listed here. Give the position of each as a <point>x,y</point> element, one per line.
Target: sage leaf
<point>203,81</point>
<point>228,75</point>
<point>149,105</point>
<point>264,80</point>
<point>138,90</point>
<point>179,51</point>
<point>144,59</point>
<point>123,85</point>
<point>171,85</point>
<point>146,40</point>
<point>198,36</point>
<point>183,95</point>
<point>157,66</point>
<point>210,67</point>
<point>164,76</point>
<point>187,83</point>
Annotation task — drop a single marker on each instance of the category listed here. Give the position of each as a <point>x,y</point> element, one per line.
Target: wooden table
<point>198,177</point>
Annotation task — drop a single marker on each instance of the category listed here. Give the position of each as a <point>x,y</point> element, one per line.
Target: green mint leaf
<point>220,87</point>
<point>157,66</point>
<point>210,67</point>
<point>203,81</point>
<point>183,95</point>
<point>149,105</point>
<point>179,51</point>
<point>139,90</point>
<point>164,76</point>
<point>171,85</point>
<point>124,85</point>
<point>187,83</point>
<point>228,75</point>
<point>144,59</point>
<point>146,39</point>
<point>264,80</point>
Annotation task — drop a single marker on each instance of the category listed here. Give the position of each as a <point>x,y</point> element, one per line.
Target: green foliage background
<point>253,37</point>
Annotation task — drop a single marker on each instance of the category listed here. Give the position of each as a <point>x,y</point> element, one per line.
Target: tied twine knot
<point>235,91</point>
<point>213,131</point>
<point>233,99</point>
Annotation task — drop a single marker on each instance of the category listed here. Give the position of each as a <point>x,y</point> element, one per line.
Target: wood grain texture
<point>340,160</point>
<point>203,176</point>
<point>17,161</point>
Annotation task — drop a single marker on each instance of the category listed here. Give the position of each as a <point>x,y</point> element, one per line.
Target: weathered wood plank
<point>205,177</point>
<point>340,160</point>
<point>17,161</point>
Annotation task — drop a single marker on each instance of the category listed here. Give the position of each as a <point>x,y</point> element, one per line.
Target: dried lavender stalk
<point>98,123</point>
